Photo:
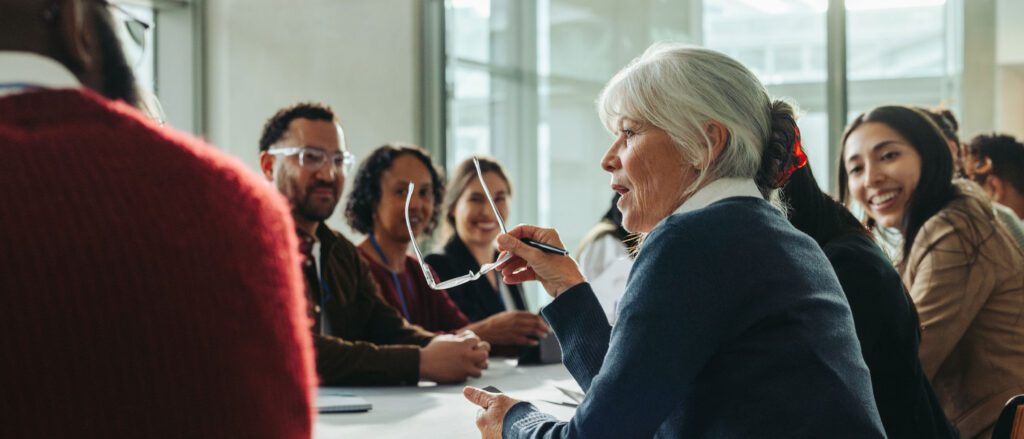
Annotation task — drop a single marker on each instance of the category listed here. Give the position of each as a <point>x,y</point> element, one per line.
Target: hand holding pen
<point>555,271</point>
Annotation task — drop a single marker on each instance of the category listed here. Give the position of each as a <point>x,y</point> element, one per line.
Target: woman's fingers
<point>513,245</point>
<point>479,397</point>
<point>540,234</point>
<point>513,265</point>
<point>518,276</point>
<point>556,273</point>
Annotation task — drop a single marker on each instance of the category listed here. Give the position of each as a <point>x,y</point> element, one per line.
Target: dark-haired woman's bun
<point>778,150</point>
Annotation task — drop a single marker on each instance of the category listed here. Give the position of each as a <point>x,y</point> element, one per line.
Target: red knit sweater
<point>149,285</point>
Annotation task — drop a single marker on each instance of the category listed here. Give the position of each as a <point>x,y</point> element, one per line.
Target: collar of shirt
<point>717,190</point>
<point>310,243</point>
<point>24,71</point>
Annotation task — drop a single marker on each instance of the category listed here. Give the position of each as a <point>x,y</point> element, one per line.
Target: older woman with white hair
<point>733,324</point>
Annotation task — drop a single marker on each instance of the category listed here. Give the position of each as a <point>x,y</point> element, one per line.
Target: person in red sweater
<point>359,339</point>
<point>149,284</point>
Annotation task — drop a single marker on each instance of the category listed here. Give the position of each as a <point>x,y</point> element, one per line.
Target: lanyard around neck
<point>17,87</point>
<point>394,276</point>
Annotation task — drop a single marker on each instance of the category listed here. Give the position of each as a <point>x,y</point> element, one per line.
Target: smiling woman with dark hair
<point>883,313</point>
<point>964,271</point>
<point>376,208</point>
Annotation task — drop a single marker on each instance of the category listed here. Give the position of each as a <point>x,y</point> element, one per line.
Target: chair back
<point>1010,424</point>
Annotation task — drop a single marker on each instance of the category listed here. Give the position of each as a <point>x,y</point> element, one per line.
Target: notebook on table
<point>330,400</point>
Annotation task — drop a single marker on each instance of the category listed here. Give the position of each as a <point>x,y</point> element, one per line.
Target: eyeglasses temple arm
<point>487,192</point>
<point>408,224</point>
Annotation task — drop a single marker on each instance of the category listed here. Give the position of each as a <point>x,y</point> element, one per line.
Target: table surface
<point>441,411</point>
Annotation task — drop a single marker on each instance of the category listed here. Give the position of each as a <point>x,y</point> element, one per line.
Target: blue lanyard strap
<point>18,86</point>
<point>325,292</point>
<point>394,277</point>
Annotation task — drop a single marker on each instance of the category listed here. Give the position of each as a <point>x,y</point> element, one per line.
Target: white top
<point>23,71</point>
<point>605,264</point>
<point>1009,219</point>
<point>506,294</point>
<point>600,253</point>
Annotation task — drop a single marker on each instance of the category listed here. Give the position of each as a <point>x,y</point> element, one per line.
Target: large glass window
<point>784,43</point>
<point>901,52</point>
<point>523,76</point>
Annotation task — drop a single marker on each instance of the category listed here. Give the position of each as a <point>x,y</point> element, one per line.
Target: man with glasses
<point>130,253</point>
<point>358,338</point>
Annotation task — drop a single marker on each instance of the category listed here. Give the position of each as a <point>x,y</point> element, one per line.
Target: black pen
<point>544,247</point>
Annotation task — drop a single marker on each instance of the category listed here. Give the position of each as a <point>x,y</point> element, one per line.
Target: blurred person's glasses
<point>471,276</point>
<point>133,27</point>
<point>151,106</point>
<point>313,159</point>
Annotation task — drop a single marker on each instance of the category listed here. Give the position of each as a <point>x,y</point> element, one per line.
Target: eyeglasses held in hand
<point>313,159</point>
<point>471,276</point>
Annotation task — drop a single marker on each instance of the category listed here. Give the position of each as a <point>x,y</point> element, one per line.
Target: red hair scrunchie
<point>799,160</point>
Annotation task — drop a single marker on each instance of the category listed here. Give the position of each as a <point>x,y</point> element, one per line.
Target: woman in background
<point>964,271</point>
<point>949,127</point>
<point>376,208</point>
<point>883,314</point>
<point>605,260</point>
<point>471,244</point>
<point>966,166</point>
<point>996,162</point>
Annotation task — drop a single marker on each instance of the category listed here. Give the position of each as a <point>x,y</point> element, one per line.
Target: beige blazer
<point>966,276</point>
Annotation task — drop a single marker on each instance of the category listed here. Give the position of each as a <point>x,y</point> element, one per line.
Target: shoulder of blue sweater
<point>736,214</point>
<point>731,210</point>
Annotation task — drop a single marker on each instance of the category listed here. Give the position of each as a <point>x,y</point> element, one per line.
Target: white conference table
<point>441,411</point>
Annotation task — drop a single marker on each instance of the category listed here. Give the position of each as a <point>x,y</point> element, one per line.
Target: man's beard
<point>118,77</point>
<point>312,211</point>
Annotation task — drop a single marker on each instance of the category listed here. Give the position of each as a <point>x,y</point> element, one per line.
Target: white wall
<point>362,57</point>
<point>977,87</point>
<point>1010,70</point>
<point>1010,31</point>
<point>1010,100</point>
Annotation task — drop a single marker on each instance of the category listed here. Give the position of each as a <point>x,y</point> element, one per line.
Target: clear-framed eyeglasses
<point>471,276</point>
<point>132,27</point>
<point>313,159</point>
